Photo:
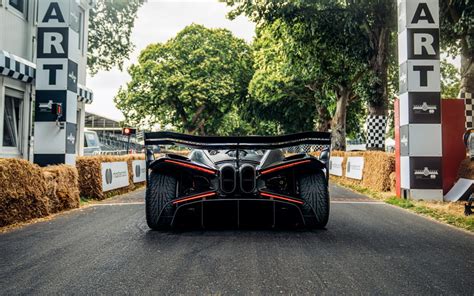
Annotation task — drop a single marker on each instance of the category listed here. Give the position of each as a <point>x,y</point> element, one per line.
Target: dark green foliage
<point>110,27</point>
<point>196,82</point>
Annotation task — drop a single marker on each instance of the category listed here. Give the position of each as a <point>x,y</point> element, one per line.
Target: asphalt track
<point>368,248</point>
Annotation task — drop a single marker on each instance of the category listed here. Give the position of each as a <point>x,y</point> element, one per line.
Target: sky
<point>158,21</point>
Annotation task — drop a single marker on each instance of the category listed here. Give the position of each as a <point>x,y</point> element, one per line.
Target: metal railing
<point>110,152</point>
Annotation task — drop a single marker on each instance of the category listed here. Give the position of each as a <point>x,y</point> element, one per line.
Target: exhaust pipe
<point>247,178</point>
<point>228,179</point>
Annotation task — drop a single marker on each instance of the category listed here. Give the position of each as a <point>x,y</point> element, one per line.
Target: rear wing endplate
<point>322,139</point>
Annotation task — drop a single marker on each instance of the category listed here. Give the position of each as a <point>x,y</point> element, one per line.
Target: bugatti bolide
<point>240,178</point>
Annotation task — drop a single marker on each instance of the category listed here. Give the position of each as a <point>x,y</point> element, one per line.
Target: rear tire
<point>160,191</point>
<point>314,191</point>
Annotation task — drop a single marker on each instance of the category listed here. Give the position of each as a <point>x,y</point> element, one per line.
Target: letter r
<point>53,39</point>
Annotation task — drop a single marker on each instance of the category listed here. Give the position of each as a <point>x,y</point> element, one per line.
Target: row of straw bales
<point>90,175</point>
<point>29,191</point>
<point>378,173</point>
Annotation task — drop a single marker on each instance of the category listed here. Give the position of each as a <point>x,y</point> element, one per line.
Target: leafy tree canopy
<point>457,36</point>
<point>276,93</point>
<point>196,82</point>
<point>457,25</point>
<point>450,80</point>
<point>339,49</point>
<point>110,27</point>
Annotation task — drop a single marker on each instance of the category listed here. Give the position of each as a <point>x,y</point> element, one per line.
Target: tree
<point>195,82</point>
<point>323,47</point>
<point>276,94</point>
<point>279,93</point>
<point>457,36</point>
<point>110,27</point>
<point>450,80</point>
<point>378,23</point>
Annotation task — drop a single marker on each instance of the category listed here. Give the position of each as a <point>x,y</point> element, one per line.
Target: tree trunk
<point>323,120</point>
<point>338,125</point>
<point>378,105</point>
<point>467,72</point>
<point>467,83</point>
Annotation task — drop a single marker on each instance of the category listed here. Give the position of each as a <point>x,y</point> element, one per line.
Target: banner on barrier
<point>139,171</point>
<point>335,166</point>
<point>355,167</point>
<point>114,175</point>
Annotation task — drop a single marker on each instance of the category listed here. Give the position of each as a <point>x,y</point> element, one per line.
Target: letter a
<point>422,9</point>
<point>53,12</point>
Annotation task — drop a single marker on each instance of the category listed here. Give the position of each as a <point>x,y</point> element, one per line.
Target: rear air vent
<point>228,179</point>
<point>247,178</point>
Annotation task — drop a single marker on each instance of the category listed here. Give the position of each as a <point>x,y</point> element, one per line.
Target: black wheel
<point>314,191</point>
<point>160,190</point>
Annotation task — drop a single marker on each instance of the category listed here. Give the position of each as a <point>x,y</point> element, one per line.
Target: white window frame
<point>23,15</point>
<point>82,29</point>
<point>19,93</point>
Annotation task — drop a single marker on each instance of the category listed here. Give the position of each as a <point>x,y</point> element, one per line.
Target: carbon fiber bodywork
<point>238,173</point>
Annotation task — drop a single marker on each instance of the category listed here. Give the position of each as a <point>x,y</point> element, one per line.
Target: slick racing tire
<point>159,193</point>
<point>314,191</point>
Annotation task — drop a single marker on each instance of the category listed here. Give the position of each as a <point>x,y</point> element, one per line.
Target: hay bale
<point>177,152</point>
<point>62,187</point>
<point>393,182</point>
<point>23,192</point>
<point>90,175</point>
<point>90,178</point>
<point>466,169</point>
<point>378,167</point>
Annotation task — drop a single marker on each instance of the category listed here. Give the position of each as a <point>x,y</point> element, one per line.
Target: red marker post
<point>127,131</point>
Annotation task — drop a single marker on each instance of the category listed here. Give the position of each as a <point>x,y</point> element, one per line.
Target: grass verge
<point>446,212</point>
<point>84,201</point>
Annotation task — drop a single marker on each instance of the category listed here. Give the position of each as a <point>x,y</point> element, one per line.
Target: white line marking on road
<point>118,204</point>
<point>358,202</point>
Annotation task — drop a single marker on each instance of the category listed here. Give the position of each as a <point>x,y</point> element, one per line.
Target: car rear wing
<point>320,139</point>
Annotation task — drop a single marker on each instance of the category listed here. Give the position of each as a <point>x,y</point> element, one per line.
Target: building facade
<point>20,76</point>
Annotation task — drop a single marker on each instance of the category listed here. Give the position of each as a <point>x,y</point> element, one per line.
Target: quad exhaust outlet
<point>247,178</point>
<point>228,179</point>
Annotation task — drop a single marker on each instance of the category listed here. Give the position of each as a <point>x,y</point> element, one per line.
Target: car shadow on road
<point>247,231</point>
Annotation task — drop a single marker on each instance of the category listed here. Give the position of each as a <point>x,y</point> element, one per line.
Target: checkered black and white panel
<point>16,67</point>
<point>467,97</point>
<point>420,132</point>
<point>305,148</point>
<point>84,94</point>
<point>376,126</point>
<point>56,82</point>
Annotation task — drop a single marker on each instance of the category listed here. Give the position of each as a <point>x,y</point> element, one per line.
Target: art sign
<point>420,99</point>
<point>56,82</point>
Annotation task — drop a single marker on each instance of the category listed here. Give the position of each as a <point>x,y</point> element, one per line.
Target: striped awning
<point>20,69</point>
<point>17,68</point>
<point>84,94</point>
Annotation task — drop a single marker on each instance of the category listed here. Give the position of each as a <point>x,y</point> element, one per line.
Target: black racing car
<point>237,179</point>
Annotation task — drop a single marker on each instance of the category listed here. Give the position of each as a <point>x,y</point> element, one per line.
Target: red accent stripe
<point>191,166</point>
<point>284,166</point>
<point>194,197</point>
<point>281,197</point>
